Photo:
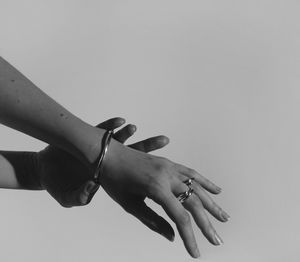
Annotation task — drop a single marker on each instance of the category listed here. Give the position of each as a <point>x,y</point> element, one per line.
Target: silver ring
<point>189,181</point>
<point>185,195</point>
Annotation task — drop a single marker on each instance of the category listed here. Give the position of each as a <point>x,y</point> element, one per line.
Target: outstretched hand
<point>129,176</point>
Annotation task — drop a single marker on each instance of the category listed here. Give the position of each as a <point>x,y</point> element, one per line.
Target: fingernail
<point>218,189</point>
<point>218,239</point>
<point>165,140</point>
<point>225,216</point>
<point>197,253</point>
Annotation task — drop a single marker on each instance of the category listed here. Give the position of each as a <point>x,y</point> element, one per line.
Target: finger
<point>151,144</point>
<point>181,218</point>
<point>112,123</point>
<point>203,181</point>
<point>152,220</point>
<point>209,204</point>
<point>126,132</point>
<point>89,191</point>
<point>82,195</point>
<point>194,205</point>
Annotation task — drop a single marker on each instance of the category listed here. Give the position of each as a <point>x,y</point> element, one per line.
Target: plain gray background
<point>219,78</point>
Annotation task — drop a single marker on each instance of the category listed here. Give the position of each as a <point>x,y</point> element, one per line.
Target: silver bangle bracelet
<point>105,143</point>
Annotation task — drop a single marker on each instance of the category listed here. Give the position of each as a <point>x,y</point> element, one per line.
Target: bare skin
<point>129,175</point>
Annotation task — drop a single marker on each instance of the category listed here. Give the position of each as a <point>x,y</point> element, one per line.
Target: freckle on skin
<point>12,80</point>
<point>61,114</point>
<point>18,101</point>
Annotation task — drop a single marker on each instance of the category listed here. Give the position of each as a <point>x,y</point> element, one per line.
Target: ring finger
<point>194,205</point>
<point>208,203</point>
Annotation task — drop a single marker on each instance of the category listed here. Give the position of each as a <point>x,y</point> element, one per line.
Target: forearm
<point>19,170</point>
<point>23,106</point>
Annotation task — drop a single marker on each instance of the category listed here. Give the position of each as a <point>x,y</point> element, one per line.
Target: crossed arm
<point>130,174</point>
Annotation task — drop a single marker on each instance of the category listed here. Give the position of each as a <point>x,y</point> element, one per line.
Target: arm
<point>18,170</point>
<point>22,169</point>
<point>24,107</point>
<point>128,175</point>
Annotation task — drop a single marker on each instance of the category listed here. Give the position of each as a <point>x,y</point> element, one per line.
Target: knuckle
<point>184,219</point>
<point>161,166</point>
<point>216,209</point>
<point>155,187</point>
<point>207,228</point>
<point>210,232</point>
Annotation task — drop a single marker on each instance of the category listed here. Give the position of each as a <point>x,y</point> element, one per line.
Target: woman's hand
<point>68,180</point>
<point>129,176</point>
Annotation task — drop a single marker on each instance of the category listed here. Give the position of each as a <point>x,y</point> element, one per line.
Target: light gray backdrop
<point>220,78</point>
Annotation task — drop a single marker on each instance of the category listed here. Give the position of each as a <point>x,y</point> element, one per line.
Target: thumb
<point>90,190</point>
<point>82,195</point>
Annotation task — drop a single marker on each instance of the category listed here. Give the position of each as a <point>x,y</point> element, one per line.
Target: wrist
<point>84,142</point>
<point>114,157</point>
<point>93,146</point>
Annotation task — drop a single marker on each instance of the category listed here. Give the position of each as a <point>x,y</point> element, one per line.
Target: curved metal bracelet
<point>104,145</point>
